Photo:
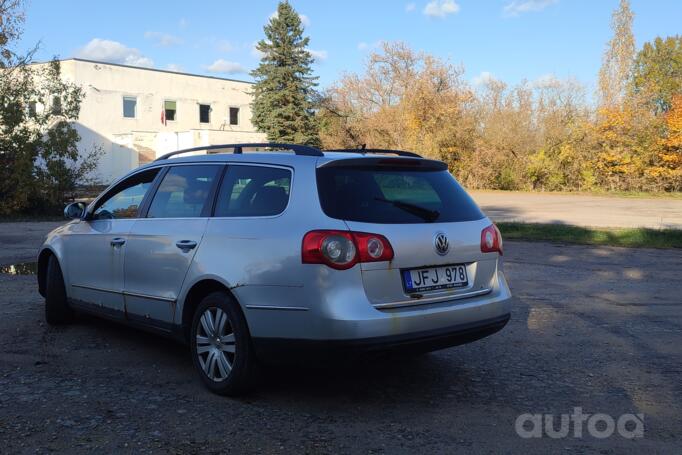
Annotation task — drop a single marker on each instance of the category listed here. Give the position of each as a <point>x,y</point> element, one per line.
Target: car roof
<point>278,158</point>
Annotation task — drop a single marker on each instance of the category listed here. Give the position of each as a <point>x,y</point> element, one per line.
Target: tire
<point>57,310</point>
<point>224,358</point>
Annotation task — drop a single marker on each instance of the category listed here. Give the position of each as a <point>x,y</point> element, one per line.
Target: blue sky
<point>511,40</point>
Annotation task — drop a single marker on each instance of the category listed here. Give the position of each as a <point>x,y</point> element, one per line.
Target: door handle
<point>186,245</point>
<point>117,241</point>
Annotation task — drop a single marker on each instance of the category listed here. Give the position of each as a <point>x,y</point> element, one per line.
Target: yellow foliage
<point>674,123</point>
<point>567,153</point>
<point>497,136</point>
<point>613,117</point>
<point>671,159</point>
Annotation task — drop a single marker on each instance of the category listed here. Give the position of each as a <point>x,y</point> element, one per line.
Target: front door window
<point>125,199</point>
<point>184,192</point>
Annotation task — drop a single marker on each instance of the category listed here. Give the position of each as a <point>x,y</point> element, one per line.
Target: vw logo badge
<point>440,241</point>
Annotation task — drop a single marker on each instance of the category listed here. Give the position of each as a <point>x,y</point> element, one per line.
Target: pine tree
<point>619,56</point>
<point>282,106</point>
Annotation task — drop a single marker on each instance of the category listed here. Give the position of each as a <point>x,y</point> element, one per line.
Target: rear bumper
<point>338,313</point>
<point>431,340</point>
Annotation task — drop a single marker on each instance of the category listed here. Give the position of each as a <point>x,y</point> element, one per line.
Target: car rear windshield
<point>393,195</point>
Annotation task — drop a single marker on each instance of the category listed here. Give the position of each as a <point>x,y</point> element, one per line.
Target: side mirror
<point>75,210</point>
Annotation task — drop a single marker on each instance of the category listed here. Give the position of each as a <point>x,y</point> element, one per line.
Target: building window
<point>129,106</point>
<point>170,110</point>
<point>56,105</point>
<point>204,113</point>
<point>234,116</point>
<point>32,109</point>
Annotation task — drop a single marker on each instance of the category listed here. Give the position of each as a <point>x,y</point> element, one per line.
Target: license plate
<point>434,278</point>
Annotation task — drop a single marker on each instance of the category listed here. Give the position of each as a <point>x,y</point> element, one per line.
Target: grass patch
<point>633,238</point>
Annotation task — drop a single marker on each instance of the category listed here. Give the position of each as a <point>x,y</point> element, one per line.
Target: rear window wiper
<point>422,212</point>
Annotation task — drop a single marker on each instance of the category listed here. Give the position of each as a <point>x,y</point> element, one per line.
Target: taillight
<point>341,250</point>
<point>373,247</point>
<point>491,240</point>
<point>334,248</point>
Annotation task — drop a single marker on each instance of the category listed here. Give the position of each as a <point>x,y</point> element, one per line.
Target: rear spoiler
<point>413,164</point>
<point>362,150</point>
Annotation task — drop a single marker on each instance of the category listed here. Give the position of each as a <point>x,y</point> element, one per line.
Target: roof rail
<point>304,150</point>
<point>377,151</point>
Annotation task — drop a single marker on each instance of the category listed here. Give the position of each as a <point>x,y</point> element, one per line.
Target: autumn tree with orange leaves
<point>542,135</point>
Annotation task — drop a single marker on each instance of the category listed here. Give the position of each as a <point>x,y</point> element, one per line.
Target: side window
<point>184,192</point>
<point>125,199</point>
<point>254,191</point>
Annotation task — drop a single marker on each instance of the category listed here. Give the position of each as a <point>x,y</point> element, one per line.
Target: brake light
<point>491,240</point>
<point>334,248</point>
<point>341,250</point>
<point>373,247</point>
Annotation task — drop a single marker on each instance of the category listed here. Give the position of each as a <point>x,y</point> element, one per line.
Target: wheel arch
<point>193,297</point>
<point>43,260</point>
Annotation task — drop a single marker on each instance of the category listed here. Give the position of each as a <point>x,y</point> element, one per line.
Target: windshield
<point>399,195</point>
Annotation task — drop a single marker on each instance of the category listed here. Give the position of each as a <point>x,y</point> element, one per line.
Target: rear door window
<point>253,191</point>
<point>184,192</point>
<point>393,195</point>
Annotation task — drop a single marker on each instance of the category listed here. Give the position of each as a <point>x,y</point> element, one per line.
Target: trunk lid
<point>414,248</point>
<point>411,202</point>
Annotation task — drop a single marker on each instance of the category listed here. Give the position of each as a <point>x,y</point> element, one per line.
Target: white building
<point>137,114</point>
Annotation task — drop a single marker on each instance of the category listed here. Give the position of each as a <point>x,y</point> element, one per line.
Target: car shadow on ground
<point>359,378</point>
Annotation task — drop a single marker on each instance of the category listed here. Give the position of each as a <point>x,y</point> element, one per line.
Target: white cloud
<point>410,7</point>
<point>305,20</point>
<point>517,7</point>
<point>163,39</point>
<point>113,52</point>
<point>225,66</point>
<point>363,46</point>
<point>546,81</point>
<point>224,46</point>
<point>318,55</point>
<point>255,53</point>
<point>175,67</point>
<point>483,78</point>
<point>441,8</point>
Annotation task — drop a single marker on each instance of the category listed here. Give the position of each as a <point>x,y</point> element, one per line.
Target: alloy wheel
<point>215,344</point>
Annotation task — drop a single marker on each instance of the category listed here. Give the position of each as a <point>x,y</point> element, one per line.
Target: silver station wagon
<point>284,251</point>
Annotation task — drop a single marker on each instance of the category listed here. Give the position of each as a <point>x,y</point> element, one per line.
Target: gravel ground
<point>580,209</point>
<point>593,327</point>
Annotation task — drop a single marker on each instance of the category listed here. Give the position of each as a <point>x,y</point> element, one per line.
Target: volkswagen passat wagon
<point>290,251</point>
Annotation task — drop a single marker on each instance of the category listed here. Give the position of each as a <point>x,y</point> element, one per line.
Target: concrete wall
<point>128,142</point>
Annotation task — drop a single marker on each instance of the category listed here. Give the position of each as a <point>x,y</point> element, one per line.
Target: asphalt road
<point>580,210</point>
<point>592,327</point>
